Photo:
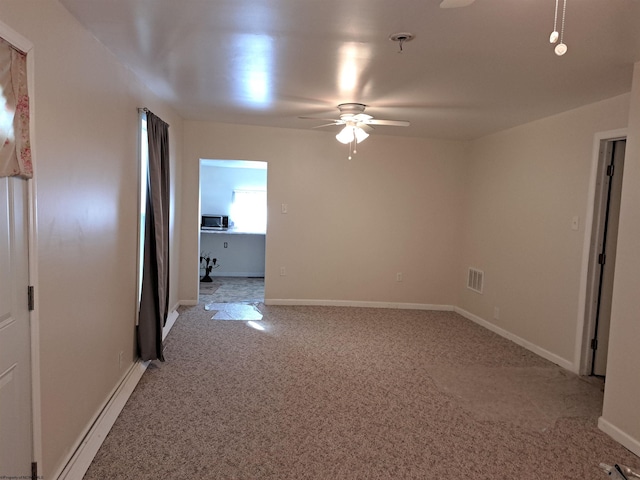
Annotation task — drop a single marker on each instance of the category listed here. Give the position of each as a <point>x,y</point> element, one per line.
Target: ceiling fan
<point>357,124</point>
<point>455,3</point>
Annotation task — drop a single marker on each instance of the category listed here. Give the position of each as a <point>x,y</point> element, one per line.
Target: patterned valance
<point>15,147</point>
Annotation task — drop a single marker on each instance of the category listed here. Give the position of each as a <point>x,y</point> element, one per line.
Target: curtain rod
<point>146,110</point>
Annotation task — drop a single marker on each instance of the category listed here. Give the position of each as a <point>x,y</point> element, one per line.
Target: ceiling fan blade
<point>367,128</point>
<point>320,118</point>
<point>362,117</point>
<point>392,123</point>
<point>455,3</point>
<point>328,125</point>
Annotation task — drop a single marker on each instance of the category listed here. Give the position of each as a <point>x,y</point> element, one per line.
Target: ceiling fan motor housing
<point>351,108</point>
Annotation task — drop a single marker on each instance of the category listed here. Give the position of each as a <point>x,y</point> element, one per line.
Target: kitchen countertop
<point>232,231</point>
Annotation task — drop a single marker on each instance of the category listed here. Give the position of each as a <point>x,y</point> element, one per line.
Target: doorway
<point>232,254</point>
<point>604,239</point>
<point>20,425</point>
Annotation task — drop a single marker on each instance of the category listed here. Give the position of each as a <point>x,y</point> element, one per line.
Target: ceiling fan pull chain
<point>564,11</point>
<point>561,48</point>
<point>355,147</point>
<point>553,38</point>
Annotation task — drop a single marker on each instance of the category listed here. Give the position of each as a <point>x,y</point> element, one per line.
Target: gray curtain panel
<point>154,304</point>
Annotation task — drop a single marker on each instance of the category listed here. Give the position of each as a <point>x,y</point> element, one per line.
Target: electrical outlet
<point>120,355</point>
<point>283,271</point>
<point>284,208</point>
<point>496,313</point>
<point>226,244</point>
<point>399,277</point>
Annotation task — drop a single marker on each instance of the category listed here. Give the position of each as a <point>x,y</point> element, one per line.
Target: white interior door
<point>15,349</point>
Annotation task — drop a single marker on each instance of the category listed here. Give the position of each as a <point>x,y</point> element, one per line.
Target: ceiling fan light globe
<point>346,135</point>
<point>360,134</point>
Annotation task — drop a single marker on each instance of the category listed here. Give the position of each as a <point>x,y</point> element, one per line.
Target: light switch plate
<point>575,223</point>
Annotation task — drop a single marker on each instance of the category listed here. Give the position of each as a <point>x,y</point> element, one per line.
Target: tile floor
<point>233,298</point>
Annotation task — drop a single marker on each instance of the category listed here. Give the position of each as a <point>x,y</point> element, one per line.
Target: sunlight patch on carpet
<point>234,311</point>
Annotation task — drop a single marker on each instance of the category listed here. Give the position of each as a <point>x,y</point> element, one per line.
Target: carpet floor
<point>354,393</point>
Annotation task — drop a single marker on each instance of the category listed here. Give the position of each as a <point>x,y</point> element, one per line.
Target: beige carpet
<point>347,393</point>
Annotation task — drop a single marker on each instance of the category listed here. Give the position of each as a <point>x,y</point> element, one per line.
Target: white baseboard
<point>552,357</point>
<point>86,450</point>
<point>171,319</point>
<point>84,453</point>
<point>619,436</point>
<point>237,274</point>
<point>356,303</point>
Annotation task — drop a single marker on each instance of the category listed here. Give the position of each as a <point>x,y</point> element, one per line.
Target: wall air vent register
<point>475,280</point>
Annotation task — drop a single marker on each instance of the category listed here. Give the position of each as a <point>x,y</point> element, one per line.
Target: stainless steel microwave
<point>214,222</point>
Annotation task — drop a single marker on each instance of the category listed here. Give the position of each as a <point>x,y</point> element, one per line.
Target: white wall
<point>218,183</point>
<point>620,417</point>
<point>86,128</point>
<point>351,225</point>
<point>524,185</point>
<point>243,255</point>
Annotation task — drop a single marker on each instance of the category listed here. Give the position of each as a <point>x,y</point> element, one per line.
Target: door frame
<point>19,41</point>
<point>589,280</point>
<point>211,161</point>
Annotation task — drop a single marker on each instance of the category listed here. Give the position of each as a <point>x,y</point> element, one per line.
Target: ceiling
<point>467,73</point>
